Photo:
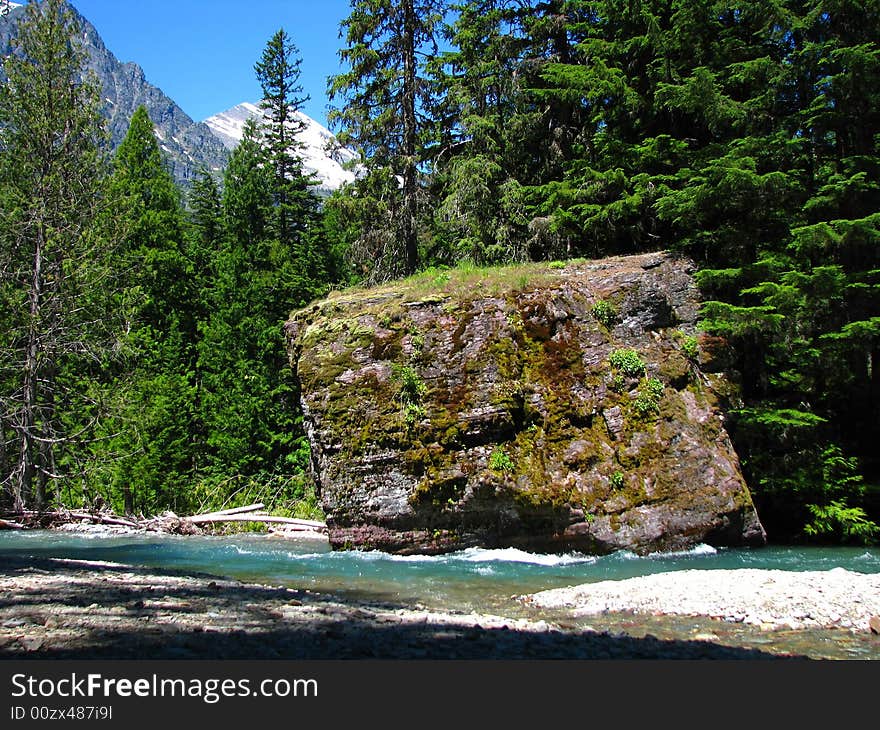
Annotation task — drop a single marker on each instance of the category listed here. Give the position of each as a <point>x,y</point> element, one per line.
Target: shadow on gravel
<point>137,621</point>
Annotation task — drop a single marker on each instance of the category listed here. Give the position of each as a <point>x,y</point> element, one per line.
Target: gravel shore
<point>72,609</point>
<point>770,599</point>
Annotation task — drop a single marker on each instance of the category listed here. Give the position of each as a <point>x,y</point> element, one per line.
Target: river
<point>478,580</point>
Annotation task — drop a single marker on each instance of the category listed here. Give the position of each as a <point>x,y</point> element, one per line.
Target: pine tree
<point>205,215</point>
<point>385,96</point>
<point>248,397</point>
<point>228,350</point>
<point>58,328</point>
<point>295,205</point>
<point>247,200</point>
<point>482,165</point>
<point>158,434</point>
<point>205,238</point>
<point>155,243</point>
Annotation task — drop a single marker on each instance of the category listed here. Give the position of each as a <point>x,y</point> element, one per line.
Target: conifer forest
<point>142,357</point>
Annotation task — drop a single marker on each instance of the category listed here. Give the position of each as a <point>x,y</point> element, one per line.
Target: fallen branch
<point>168,522</point>
<point>102,519</point>
<point>67,516</point>
<point>233,511</point>
<point>306,524</point>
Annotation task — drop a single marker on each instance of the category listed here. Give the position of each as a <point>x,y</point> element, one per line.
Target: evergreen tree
<point>155,243</point>
<point>247,200</point>
<point>385,97</point>
<point>206,240</point>
<point>57,325</point>
<point>294,205</point>
<point>158,433</point>
<point>482,165</point>
<point>205,217</point>
<point>248,401</point>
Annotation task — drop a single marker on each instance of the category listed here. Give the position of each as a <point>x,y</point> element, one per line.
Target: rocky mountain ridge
<point>188,145</point>
<point>322,156</point>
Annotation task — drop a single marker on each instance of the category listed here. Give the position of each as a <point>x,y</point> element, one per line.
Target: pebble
<point>31,643</point>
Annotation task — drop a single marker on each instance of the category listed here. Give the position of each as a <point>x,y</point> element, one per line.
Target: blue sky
<point>202,52</point>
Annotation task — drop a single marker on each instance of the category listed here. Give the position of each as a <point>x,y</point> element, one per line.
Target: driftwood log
<point>256,507</point>
<point>103,519</point>
<point>291,521</point>
<point>63,515</point>
<point>169,522</point>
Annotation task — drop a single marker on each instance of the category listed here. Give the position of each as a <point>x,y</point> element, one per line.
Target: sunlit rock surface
<point>549,407</point>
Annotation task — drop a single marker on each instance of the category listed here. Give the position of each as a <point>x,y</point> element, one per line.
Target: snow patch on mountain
<point>321,154</point>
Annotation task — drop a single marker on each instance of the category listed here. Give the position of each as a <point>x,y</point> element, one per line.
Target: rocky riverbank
<point>73,609</point>
<point>769,599</point>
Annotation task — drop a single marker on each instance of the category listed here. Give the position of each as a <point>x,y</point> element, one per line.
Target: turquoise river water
<point>479,580</point>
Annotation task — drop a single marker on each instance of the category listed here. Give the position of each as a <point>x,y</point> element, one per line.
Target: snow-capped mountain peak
<point>322,156</point>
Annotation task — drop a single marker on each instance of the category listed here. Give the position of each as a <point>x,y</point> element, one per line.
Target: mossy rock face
<point>481,408</point>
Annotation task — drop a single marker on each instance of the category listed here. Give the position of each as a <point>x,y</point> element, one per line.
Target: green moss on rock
<point>513,361</point>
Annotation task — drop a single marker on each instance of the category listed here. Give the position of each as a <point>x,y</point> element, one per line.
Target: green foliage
<point>627,361</point>
<point>648,400</point>
<point>306,507</point>
<point>617,480</point>
<point>61,313</point>
<point>412,390</point>
<point>500,461</point>
<point>604,312</point>
<point>837,520</point>
<point>690,345</point>
<point>412,387</point>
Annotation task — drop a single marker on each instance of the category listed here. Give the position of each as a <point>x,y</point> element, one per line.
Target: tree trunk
<point>410,171</point>
<point>4,463</point>
<point>127,499</point>
<point>22,492</point>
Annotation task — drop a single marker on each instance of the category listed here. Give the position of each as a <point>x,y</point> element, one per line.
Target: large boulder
<point>549,407</point>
